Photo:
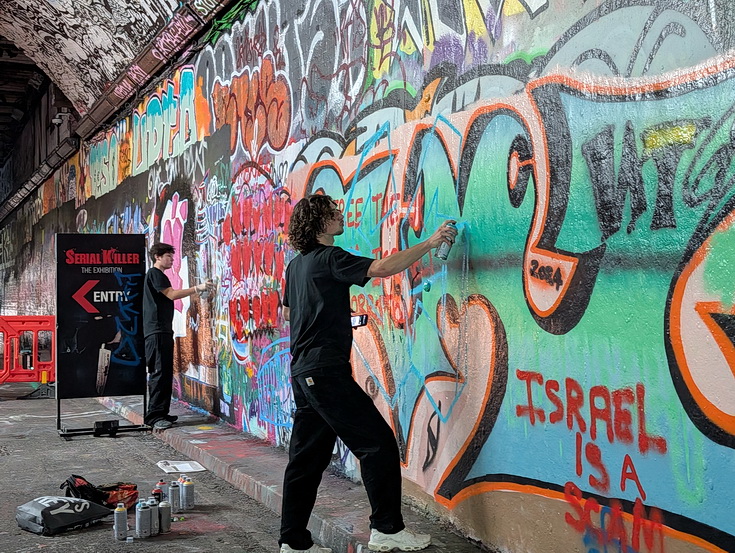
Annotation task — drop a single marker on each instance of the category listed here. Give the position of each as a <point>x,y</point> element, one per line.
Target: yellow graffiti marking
<point>473,18</point>
<point>408,45</point>
<point>513,7</point>
<point>673,135</point>
<point>382,33</point>
<point>429,35</point>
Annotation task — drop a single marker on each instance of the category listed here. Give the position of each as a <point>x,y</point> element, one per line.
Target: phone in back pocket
<point>359,320</point>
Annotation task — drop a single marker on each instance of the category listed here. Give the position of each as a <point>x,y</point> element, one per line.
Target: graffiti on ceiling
<point>83,46</point>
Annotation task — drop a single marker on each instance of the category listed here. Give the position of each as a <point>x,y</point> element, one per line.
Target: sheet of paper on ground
<point>180,466</point>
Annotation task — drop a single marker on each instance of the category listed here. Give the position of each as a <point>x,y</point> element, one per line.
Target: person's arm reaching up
<point>402,260</point>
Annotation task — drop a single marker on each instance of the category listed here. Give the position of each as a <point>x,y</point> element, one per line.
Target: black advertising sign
<point>99,315</point>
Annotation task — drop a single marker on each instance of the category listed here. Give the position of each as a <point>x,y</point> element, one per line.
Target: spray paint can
<point>211,288</point>
<point>157,493</point>
<point>164,489</point>
<point>182,503</point>
<point>182,479</point>
<point>164,511</point>
<point>143,519</point>
<point>121,522</point>
<point>442,252</point>
<point>175,494</point>
<point>155,523</point>
<point>187,499</point>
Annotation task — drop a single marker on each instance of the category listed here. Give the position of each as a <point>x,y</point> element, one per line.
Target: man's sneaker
<point>171,418</point>
<point>285,548</point>
<point>162,424</point>
<point>405,540</point>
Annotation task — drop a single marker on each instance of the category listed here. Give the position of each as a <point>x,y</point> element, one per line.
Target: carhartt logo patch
<point>309,381</point>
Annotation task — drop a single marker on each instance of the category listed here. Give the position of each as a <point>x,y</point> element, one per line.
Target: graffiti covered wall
<point>566,380</point>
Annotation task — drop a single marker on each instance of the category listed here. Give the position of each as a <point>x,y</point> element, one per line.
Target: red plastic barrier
<point>26,356</point>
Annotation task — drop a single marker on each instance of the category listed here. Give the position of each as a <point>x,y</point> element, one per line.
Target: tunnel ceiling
<point>83,46</point>
<point>96,52</point>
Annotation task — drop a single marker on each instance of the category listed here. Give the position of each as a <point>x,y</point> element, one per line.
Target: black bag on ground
<point>50,515</point>
<point>77,486</point>
<point>108,495</point>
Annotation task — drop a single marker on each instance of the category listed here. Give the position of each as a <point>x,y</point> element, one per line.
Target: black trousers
<point>329,403</point>
<point>159,355</point>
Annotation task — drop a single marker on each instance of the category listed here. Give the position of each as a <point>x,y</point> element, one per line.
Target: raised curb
<point>340,518</point>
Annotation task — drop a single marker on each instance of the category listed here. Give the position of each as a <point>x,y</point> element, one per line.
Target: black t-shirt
<point>158,310</point>
<point>318,296</point>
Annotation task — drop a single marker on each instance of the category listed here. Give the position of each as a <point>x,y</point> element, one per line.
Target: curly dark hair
<point>308,220</point>
<point>160,248</point>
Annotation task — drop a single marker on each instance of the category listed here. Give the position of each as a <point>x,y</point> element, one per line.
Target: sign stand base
<point>68,433</point>
<point>44,391</point>
<point>100,428</point>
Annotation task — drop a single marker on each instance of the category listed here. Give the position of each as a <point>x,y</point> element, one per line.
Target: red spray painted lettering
<point>601,410</point>
<point>609,408</point>
<point>609,528</point>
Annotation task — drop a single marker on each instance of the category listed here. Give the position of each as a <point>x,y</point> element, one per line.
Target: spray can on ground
<point>174,494</point>
<point>182,502</point>
<point>155,523</point>
<point>181,481</point>
<point>164,512</point>
<point>157,492</point>
<point>187,496</point>
<point>121,522</point>
<point>164,489</point>
<point>143,519</point>
<point>442,252</point>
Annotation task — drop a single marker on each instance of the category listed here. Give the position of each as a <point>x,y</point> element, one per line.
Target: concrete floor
<point>34,461</point>
<point>237,497</point>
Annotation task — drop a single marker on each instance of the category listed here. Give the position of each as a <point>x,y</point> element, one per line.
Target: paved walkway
<point>340,519</point>
<point>34,461</point>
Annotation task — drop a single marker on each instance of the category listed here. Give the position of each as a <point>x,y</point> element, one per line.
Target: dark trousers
<point>329,403</point>
<point>159,355</point>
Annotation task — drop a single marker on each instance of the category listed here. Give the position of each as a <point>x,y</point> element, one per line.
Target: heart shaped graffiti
<point>456,409</point>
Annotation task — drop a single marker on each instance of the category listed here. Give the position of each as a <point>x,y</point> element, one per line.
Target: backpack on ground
<point>108,495</point>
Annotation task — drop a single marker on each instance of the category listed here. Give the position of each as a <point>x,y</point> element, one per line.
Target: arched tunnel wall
<point>565,382</point>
